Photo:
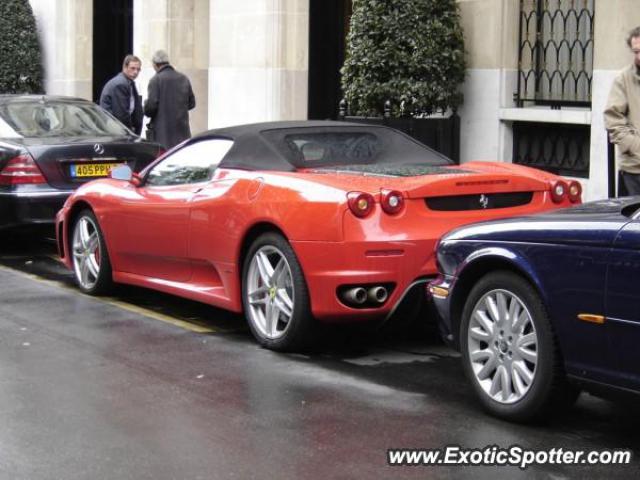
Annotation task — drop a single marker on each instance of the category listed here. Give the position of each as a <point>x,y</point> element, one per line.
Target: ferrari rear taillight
<point>559,190</point>
<point>21,170</point>
<point>360,203</point>
<point>391,201</point>
<point>575,191</point>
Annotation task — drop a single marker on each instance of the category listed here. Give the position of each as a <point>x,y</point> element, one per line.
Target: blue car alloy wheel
<point>509,350</point>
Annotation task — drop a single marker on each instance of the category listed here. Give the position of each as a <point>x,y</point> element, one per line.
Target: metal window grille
<point>557,148</point>
<point>555,59</point>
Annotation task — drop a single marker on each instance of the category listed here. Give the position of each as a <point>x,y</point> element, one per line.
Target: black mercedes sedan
<point>49,145</point>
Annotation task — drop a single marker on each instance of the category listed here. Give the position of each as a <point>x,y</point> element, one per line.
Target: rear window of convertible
<point>343,146</point>
<point>332,148</point>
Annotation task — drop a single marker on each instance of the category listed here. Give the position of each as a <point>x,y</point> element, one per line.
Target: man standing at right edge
<point>622,119</point>
<point>168,103</point>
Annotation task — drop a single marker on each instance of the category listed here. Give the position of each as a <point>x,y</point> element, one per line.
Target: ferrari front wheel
<point>91,265</point>
<point>275,295</point>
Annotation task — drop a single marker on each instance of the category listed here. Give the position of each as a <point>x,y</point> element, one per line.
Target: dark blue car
<point>544,306</point>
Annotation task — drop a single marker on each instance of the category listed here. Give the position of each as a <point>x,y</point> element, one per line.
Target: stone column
<point>65,29</point>
<point>258,60</point>
<point>181,27</point>
<point>491,41</point>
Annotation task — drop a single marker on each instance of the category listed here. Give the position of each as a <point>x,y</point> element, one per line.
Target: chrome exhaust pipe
<point>355,295</point>
<point>377,294</point>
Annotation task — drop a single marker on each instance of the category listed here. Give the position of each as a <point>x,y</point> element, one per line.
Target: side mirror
<point>136,180</point>
<point>124,172</point>
<point>121,172</point>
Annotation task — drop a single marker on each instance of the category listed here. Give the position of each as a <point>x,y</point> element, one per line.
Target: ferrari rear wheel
<point>91,264</point>
<point>509,350</point>
<point>275,295</point>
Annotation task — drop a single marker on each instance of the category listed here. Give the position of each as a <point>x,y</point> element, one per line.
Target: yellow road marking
<point>158,316</point>
<point>193,327</point>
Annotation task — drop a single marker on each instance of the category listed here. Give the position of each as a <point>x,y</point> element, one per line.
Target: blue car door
<point>622,304</point>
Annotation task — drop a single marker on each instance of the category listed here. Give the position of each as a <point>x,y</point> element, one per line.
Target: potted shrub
<point>404,65</point>
<point>20,59</point>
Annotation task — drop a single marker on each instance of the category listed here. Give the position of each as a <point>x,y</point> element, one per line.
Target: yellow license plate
<point>92,169</point>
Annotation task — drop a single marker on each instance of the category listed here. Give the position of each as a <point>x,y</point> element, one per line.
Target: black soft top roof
<point>270,145</point>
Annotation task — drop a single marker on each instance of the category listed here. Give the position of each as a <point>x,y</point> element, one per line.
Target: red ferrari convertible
<point>290,222</point>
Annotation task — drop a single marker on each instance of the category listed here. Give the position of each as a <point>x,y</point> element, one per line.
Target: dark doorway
<point>328,27</point>
<point>112,39</point>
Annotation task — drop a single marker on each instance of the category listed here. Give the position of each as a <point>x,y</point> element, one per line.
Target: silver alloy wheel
<point>86,252</point>
<point>502,346</point>
<point>270,292</point>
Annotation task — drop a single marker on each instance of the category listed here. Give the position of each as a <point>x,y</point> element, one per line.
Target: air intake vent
<point>480,201</point>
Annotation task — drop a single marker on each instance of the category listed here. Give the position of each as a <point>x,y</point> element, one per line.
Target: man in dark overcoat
<point>169,100</point>
<point>120,97</point>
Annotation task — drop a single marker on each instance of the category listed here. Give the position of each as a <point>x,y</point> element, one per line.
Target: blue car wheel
<point>509,350</point>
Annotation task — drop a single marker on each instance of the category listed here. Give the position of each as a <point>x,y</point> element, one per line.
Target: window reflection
<point>191,164</point>
<point>60,119</point>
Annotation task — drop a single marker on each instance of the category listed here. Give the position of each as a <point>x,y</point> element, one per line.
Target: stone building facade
<point>249,61</point>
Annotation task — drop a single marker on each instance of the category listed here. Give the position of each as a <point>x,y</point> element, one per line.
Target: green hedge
<point>20,58</point>
<point>409,50</point>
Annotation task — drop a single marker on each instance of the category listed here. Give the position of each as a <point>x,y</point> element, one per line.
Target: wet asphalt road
<point>144,385</point>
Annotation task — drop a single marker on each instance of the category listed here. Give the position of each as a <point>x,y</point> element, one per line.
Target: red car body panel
<point>189,240</point>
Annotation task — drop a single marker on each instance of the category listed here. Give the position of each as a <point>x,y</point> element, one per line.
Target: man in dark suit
<point>120,96</point>
<point>168,103</point>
